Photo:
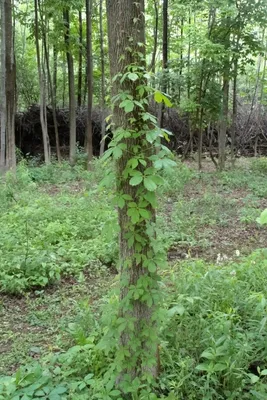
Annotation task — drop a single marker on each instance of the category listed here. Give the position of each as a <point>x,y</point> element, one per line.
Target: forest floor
<point>208,215</point>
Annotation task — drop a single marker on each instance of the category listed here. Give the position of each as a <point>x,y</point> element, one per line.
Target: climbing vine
<point>139,156</point>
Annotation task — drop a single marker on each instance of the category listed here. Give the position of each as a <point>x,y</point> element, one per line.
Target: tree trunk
<point>50,83</point>
<point>89,62</point>
<point>234,117</point>
<point>72,103</point>
<point>164,57</point>
<point>225,101</point>
<point>3,89</point>
<point>10,88</point>
<point>55,73</point>
<point>126,29</point>
<point>103,91</point>
<point>155,46</point>
<point>47,153</point>
<point>80,59</point>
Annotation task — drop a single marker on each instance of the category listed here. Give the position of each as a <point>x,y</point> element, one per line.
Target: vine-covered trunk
<point>138,338</point>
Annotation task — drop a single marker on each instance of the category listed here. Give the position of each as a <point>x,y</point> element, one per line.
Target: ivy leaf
<point>132,76</point>
<point>164,163</point>
<point>128,105</point>
<point>133,213</point>
<point>152,267</point>
<point>121,202</point>
<point>144,213</point>
<point>150,184</point>
<point>151,198</point>
<point>152,135</point>
<point>136,180</point>
<point>117,153</point>
<point>107,154</point>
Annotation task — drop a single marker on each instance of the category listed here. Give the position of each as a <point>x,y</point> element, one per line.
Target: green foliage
<point>263,218</point>
<point>260,165</point>
<point>221,313</point>
<point>52,232</point>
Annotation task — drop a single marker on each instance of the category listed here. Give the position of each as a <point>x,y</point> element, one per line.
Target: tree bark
<point>164,57</point>
<point>89,62</point>
<point>225,101</point>
<point>152,66</point>
<point>126,28</point>
<point>80,59</point>
<point>50,83</point>
<point>103,89</point>
<point>47,152</point>
<point>72,103</point>
<point>3,89</point>
<point>10,88</point>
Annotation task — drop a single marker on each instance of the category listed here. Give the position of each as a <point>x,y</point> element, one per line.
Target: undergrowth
<point>213,341</point>
<point>58,221</point>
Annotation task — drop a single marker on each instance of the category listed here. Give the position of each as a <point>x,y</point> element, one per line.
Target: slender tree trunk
<point>3,89</point>
<point>181,60</point>
<point>122,26</point>
<point>89,62</point>
<point>50,83</point>
<point>47,152</point>
<point>103,91</point>
<point>80,59</point>
<point>225,102</point>
<point>72,103</point>
<point>234,117</point>
<point>152,66</point>
<point>164,56</point>
<point>55,57</point>
<point>10,88</point>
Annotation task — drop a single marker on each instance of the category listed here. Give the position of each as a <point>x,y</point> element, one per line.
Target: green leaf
<point>151,198</point>
<point>203,367</point>
<point>176,310</point>
<point>220,367</point>
<point>117,153</point>
<point>263,218</point>
<point>152,135</point>
<point>166,101</point>
<point>158,97</point>
<point>254,378</point>
<point>207,354</point>
<point>133,213</point>
<point>115,393</point>
<point>152,267</point>
<point>128,105</point>
<point>164,163</point>
<point>136,180</point>
<point>132,76</point>
<point>144,213</point>
<point>149,183</point>
<point>161,98</point>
